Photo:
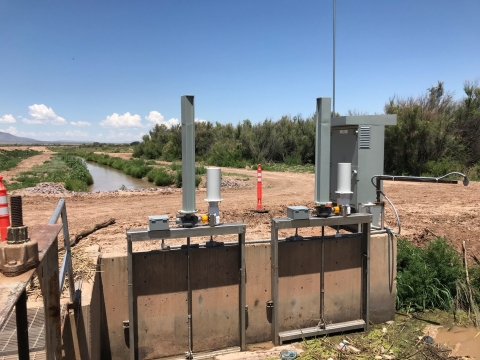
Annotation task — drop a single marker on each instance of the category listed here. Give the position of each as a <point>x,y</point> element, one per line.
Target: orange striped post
<point>259,187</point>
<point>4,216</point>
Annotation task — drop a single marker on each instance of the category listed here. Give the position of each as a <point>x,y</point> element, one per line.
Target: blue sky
<point>109,70</point>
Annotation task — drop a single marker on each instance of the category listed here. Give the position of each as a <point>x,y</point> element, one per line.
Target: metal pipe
<point>22,327</point>
<point>322,151</point>
<point>68,254</point>
<point>334,49</point>
<point>189,305</point>
<point>56,212</point>
<point>131,303</point>
<point>414,179</point>
<point>188,155</point>
<point>322,280</point>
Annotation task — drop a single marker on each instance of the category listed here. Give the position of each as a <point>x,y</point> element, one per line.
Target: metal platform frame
<point>363,221</point>
<point>176,233</point>
<point>13,289</point>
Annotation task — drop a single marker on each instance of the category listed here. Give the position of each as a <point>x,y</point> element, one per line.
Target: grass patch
<point>400,338</point>
<point>10,158</point>
<point>284,167</point>
<point>241,177</point>
<point>61,168</point>
<point>426,277</point>
<point>160,177</point>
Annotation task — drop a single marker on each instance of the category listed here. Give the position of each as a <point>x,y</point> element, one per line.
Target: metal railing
<point>66,267</point>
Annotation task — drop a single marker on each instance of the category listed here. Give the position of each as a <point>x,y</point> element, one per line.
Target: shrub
<point>162,178</point>
<point>75,185</point>
<point>200,170</point>
<point>426,277</point>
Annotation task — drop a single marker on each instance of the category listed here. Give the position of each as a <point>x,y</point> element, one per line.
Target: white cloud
<point>125,120</point>
<point>41,114</point>
<point>7,118</point>
<point>156,118</point>
<point>11,130</point>
<point>200,120</point>
<point>80,123</point>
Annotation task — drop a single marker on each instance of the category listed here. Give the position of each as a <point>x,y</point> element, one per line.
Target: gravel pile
<point>48,188</point>
<point>234,183</point>
<point>53,188</point>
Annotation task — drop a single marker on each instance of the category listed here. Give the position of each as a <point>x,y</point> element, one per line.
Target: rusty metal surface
<point>12,287</point>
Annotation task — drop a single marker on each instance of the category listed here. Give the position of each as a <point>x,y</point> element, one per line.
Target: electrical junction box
<point>158,222</point>
<point>297,212</point>
<point>359,140</point>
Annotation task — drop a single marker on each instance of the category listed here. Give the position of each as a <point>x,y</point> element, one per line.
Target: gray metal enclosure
<point>359,140</point>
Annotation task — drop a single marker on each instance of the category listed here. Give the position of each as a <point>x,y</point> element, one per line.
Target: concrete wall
<point>161,282</point>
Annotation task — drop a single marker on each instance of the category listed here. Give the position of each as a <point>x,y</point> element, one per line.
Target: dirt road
<point>28,163</point>
<point>445,210</point>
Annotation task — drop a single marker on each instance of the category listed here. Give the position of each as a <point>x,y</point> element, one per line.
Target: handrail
<point>66,267</point>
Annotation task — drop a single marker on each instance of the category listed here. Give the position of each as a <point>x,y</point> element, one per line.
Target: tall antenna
<point>334,31</point>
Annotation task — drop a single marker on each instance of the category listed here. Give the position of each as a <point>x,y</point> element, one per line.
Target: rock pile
<point>234,183</point>
<point>48,189</point>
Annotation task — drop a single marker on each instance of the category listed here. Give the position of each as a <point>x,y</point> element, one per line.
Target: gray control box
<point>297,212</point>
<point>158,222</point>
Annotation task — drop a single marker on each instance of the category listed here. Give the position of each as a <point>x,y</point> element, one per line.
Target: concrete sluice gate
<point>160,281</point>
<point>188,300</point>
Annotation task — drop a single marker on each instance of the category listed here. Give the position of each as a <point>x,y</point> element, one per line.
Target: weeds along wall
<point>162,308</point>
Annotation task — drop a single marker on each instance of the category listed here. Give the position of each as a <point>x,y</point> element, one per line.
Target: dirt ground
<point>28,163</point>
<point>425,209</point>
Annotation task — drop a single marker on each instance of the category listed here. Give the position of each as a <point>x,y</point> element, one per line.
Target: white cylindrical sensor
<point>214,179</point>
<point>344,178</point>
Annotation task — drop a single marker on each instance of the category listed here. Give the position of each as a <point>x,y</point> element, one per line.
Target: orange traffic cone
<point>4,216</point>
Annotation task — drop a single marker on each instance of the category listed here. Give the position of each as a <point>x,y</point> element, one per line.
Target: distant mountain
<point>6,138</point>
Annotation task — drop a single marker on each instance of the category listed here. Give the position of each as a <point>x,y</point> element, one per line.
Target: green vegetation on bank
<point>160,175</point>
<point>61,168</point>
<point>399,338</point>
<point>434,277</point>
<point>435,134</point>
<point>10,158</point>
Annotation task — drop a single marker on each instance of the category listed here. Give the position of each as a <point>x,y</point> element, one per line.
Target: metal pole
<point>243,309</point>
<point>274,279</point>
<point>68,254</point>
<point>22,327</point>
<point>132,310</point>
<point>334,41</point>
<point>322,285</point>
<point>189,302</point>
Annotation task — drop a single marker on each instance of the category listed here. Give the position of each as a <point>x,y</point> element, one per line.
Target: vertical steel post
<point>322,284</point>
<point>366,274</point>
<point>189,304</point>
<point>132,303</point>
<point>188,155</point>
<point>334,50</point>
<point>22,327</point>
<point>274,257</point>
<point>68,253</point>
<point>322,151</point>
<point>243,309</point>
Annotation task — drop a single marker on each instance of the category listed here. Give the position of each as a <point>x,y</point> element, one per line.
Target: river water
<point>106,178</point>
